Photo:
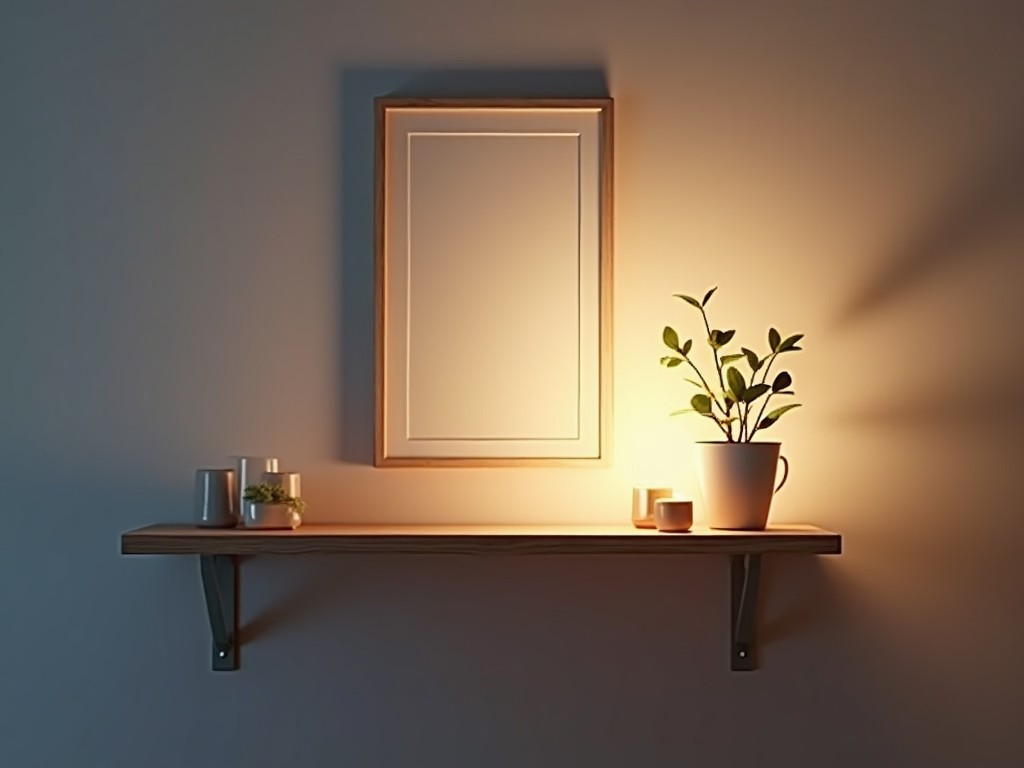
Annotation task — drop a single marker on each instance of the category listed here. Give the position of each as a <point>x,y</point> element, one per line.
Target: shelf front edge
<point>177,542</point>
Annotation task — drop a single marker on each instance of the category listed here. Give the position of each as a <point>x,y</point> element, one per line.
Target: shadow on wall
<point>935,527</point>
<point>986,203</point>
<point>989,197</point>
<point>357,90</point>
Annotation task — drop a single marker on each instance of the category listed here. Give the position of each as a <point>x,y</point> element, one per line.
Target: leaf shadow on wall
<point>990,195</point>
<point>357,89</point>
<point>985,207</point>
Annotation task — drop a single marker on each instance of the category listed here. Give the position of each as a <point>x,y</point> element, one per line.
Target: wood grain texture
<point>605,107</point>
<point>475,540</point>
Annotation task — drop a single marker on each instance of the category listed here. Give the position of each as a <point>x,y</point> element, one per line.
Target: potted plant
<point>737,472</point>
<point>270,506</point>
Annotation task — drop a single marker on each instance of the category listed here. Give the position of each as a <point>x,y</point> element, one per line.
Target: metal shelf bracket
<point>220,586</point>
<point>746,579</point>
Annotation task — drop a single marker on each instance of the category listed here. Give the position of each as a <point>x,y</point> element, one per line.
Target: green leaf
<point>671,362</point>
<point>790,343</point>
<point>753,392</point>
<point>782,381</point>
<point>779,411</point>
<point>688,299</point>
<point>726,359</point>
<point>701,404</point>
<point>737,385</point>
<point>671,338</point>
<point>681,411</point>
<point>707,296</point>
<point>774,339</point>
<point>687,347</point>
<point>775,415</point>
<point>752,359</point>
<point>696,383</point>
<point>719,339</point>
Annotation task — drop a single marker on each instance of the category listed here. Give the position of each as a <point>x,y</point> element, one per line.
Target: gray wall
<point>854,171</point>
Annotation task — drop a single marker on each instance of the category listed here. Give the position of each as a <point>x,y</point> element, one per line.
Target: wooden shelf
<point>219,550</point>
<point>475,540</point>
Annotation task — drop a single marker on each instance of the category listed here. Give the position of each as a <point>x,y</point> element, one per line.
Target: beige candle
<point>643,505</point>
<point>290,481</point>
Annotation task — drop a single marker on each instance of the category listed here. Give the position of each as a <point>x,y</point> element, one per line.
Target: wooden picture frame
<point>493,282</point>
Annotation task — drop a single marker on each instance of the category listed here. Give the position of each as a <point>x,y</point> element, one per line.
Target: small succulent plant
<point>265,493</point>
<point>733,402</point>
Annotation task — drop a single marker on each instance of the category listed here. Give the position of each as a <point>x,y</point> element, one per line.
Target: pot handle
<point>785,473</point>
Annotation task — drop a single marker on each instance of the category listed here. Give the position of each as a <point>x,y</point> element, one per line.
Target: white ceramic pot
<point>255,515</point>
<point>738,482</point>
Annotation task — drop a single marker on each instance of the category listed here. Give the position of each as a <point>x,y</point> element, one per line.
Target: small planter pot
<point>738,483</point>
<point>255,515</point>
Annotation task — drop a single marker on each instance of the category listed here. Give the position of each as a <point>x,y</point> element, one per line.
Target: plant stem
<point>718,367</point>
<point>703,381</point>
<point>717,422</point>
<point>764,405</point>
<point>714,401</point>
<point>764,379</point>
<point>758,420</point>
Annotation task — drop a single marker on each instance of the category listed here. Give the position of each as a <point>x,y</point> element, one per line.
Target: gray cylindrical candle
<point>216,498</point>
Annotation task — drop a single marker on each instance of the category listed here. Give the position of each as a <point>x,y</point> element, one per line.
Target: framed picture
<point>493,282</point>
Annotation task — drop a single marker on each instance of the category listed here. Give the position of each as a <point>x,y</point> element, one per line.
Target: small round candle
<point>673,515</point>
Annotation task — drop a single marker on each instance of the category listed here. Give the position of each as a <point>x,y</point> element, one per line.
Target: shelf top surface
<point>475,539</point>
